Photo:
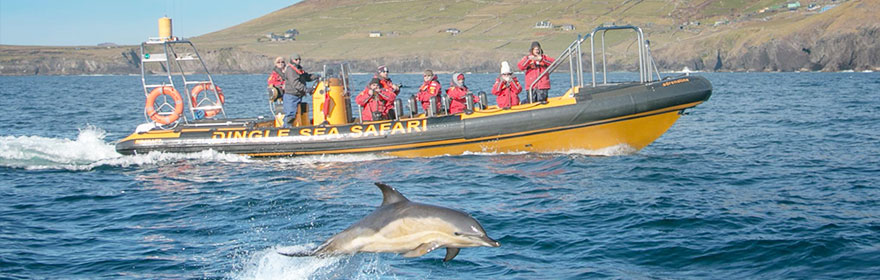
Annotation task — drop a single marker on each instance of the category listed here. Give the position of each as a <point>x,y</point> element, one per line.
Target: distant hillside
<point>722,35</point>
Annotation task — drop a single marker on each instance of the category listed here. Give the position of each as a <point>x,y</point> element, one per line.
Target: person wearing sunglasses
<point>276,80</point>
<point>295,79</point>
<point>385,83</point>
<point>429,89</point>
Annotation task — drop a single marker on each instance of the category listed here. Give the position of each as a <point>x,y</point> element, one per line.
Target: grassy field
<point>339,29</point>
<point>503,29</point>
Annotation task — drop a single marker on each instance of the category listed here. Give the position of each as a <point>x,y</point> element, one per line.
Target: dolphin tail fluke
<point>451,253</point>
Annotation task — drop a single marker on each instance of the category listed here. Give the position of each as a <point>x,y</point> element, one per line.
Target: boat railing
<point>170,54</point>
<point>646,62</point>
<point>574,54</point>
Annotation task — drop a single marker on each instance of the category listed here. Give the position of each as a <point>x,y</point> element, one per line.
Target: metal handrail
<point>646,61</point>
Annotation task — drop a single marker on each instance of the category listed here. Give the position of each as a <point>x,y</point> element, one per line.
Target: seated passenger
<point>373,101</point>
<point>457,92</point>
<point>506,87</point>
<point>429,89</point>
<point>276,80</point>
<point>385,83</point>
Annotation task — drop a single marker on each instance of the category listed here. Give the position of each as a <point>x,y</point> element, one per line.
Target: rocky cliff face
<point>851,51</point>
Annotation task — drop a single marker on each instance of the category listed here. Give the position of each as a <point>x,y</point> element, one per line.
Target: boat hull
<point>633,115</point>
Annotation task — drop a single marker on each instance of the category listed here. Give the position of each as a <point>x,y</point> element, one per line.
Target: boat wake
<point>36,152</point>
<point>268,264</point>
<point>90,150</point>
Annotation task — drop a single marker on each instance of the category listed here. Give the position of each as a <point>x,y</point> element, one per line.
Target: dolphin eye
<point>457,233</point>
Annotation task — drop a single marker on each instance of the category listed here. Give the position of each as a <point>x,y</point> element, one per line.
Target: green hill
<point>758,35</point>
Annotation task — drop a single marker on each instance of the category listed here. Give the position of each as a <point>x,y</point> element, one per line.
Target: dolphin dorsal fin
<point>390,195</point>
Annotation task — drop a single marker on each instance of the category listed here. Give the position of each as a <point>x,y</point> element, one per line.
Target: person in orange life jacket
<point>295,80</point>
<point>506,87</point>
<point>457,92</point>
<point>385,83</point>
<point>429,89</point>
<point>275,80</point>
<point>534,64</point>
<point>373,100</point>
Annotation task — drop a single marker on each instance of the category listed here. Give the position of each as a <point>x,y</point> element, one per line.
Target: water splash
<point>35,152</point>
<point>317,159</point>
<point>268,264</point>
<point>616,150</point>
<point>88,151</point>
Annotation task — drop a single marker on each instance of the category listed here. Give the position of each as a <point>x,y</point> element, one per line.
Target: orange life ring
<point>151,100</point>
<point>199,88</point>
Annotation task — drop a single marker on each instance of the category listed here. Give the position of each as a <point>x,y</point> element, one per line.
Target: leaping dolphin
<point>405,227</point>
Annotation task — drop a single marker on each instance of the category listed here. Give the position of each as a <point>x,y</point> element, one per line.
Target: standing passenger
<point>534,64</point>
<point>506,87</point>
<point>373,100</point>
<point>457,92</point>
<point>295,80</point>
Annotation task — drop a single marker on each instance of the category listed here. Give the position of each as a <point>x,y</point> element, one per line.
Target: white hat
<point>505,67</point>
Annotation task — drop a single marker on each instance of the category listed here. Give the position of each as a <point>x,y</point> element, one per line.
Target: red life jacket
<point>428,90</point>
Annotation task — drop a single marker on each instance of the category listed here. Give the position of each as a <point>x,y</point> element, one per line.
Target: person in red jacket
<point>506,87</point>
<point>429,89</point>
<point>457,91</point>
<point>373,100</point>
<point>534,64</point>
<point>276,81</point>
<point>385,83</point>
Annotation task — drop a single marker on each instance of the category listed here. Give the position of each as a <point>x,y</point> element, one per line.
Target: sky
<point>124,22</point>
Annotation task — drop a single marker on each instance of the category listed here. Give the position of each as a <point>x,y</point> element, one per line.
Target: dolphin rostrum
<point>405,227</point>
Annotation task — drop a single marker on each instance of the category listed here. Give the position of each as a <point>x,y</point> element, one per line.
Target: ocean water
<point>776,176</point>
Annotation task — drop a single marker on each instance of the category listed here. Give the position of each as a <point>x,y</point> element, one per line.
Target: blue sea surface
<point>776,176</point>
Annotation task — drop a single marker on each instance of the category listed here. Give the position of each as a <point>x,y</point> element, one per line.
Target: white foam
<point>268,264</point>
<point>42,152</point>
<point>616,150</point>
<point>88,151</point>
<point>469,153</point>
<point>317,159</point>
